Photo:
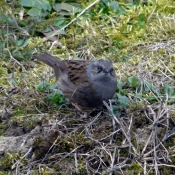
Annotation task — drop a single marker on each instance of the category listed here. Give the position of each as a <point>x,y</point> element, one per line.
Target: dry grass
<point>40,138</point>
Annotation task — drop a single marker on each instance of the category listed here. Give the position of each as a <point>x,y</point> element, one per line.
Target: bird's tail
<point>58,66</point>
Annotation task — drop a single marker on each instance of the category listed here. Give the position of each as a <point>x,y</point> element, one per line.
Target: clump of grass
<point>135,132</point>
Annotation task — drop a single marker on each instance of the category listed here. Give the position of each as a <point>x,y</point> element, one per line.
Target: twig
<point>56,32</point>
<point>91,123</point>
<point>16,60</point>
<point>50,149</point>
<point>26,154</point>
<point>76,162</point>
<point>121,125</point>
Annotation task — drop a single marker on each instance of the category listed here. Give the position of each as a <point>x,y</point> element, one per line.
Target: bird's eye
<point>99,69</point>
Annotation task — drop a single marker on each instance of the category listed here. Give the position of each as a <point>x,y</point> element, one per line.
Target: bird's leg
<point>77,107</point>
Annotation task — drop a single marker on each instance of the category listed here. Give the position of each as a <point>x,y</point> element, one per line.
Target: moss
<point>45,170</point>
<point>3,74</point>
<point>27,122</point>
<point>135,168</point>
<point>42,144</point>
<point>7,161</point>
<point>166,170</point>
<point>3,128</point>
<point>5,173</point>
<point>140,42</point>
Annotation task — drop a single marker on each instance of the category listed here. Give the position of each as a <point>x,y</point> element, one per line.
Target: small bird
<point>86,83</point>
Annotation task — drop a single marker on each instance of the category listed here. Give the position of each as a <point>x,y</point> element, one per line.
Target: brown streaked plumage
<point>86,83</point>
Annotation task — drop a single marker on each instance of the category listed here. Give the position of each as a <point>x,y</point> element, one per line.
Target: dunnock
<point>84,82</point>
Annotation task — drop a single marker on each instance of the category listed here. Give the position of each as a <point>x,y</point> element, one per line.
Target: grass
<point>134,134</point>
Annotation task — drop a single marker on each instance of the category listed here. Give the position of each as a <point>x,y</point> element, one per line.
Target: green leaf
<point>18,56</point>
<point>55,86</point>
<point>119,85</point>
<point>57,98</point>
<point>115,6</point>
<point>116,111</point>
<point>171,99</point>
<point>64,8</point>
<point>152,99</point>
<point>141,21</point>
<point>27,3</point>
<point>123,101</point>
<point>40,4</point>
<point>106,2</point>
<point>43,86</point>
<point>150,88</point>
<point>168,90</point>
<point>21,42</point>
<point>2,43</point>
<point>134,81</point>
<point>48,34</point>
<point>7,18</point>
<point>142,18</point>
<point>121,11</point>
<point>147,86</point>
<point>34,12</point>
<point>12,78</point>
<point>59,22</point>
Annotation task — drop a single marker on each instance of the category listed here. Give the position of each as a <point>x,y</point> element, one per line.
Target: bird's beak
<point>106,70</point>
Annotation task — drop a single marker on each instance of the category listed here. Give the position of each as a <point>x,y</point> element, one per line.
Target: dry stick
<point>172,79</point>
<point>110,135</point>
<point>56,32</point>
<point>91,123</point>
<point>15,21</point>
<point>26,154</point>
<point>87,169</point>
<point>113,160</point>
<point>116,168</point>
<point>112,157</point>
<point>151,127</point>
<point>16,60</point>
<point>154,133</point>
<point>158,116</point>
<point>69,154</point>
<point>167,127</point>
<point>50,149</point>
<point>149,138</point>
<point>114,126</point>
<point>167,68</point>
<point>153,93</point>
<point>76,162</point>
<point>144,167</point>
<point>168,134</point>
<point>121,126</point>
<point>149,152</point>
<point>165,151</point>
<point>155,152</point>
<point>173,166</point>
